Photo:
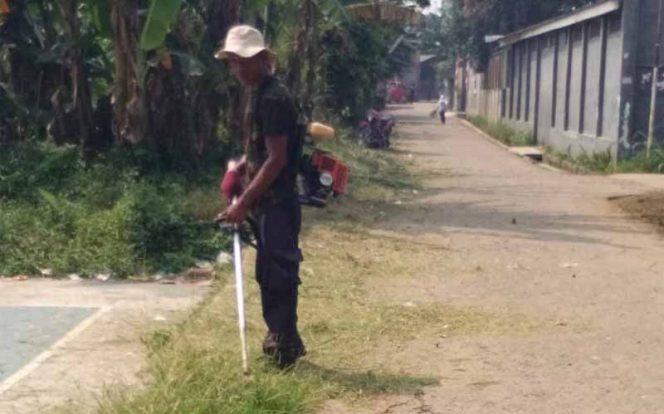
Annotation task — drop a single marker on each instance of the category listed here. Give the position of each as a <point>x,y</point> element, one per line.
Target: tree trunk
<point>225,15</point>
<point>220,16</point>
<point>81,94</point>
<point>128,99</point>
<point>312,62</point>
<point>167,109</point>
<point>299,47</point>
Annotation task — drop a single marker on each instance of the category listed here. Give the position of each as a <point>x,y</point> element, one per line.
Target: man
<point>442,107</point>
<point>270,166</point>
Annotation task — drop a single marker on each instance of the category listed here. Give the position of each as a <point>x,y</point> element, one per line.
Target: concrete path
<point>62,342</point>
<point>28,331</point>
<point>535,242</point>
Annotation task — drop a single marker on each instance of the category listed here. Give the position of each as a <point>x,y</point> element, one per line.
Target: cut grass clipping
<point>195,367</point>
<point>648,207</point>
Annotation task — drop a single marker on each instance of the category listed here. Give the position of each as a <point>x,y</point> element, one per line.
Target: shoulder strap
<point>301,127</point>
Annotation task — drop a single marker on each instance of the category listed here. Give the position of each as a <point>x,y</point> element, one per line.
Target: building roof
<point>561,22</point>
<point>426,58</point>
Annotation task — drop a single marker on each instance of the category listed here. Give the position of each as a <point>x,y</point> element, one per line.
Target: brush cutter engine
<point>321,175</point>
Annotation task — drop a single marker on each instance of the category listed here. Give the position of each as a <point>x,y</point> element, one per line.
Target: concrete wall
<point>563,86</point>
<point>547,89</point>
<point>588,88</point>
<point>644,34</point>
<point>481,101</point>
<point>612,80</point>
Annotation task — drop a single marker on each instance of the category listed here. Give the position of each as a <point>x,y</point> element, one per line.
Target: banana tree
<point>185,101</point>
<point>79,88</point>
<point>128,103</point>
<point>45,46</point>
<point>168,89</point>
<point>295,27</point>
<point>120,20</point>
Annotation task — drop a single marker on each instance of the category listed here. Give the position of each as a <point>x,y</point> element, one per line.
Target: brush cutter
<point>239,235</point>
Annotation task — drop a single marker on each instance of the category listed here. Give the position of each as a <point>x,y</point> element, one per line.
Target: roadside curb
<point>491,139</point>
<point>544,164</point>
<point>564,165</point>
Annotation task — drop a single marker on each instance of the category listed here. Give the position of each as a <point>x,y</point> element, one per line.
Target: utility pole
<point>655,77</point>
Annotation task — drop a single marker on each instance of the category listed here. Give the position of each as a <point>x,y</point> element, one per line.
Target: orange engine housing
<point>325,162</point>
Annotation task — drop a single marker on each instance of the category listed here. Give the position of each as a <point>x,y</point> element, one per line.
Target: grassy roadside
<point>195,366</point>
<point>602,163</point>
<point>502,132</point>
<point>585,163</point>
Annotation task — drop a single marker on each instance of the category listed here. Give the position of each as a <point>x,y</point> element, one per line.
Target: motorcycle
<point>375,131</point>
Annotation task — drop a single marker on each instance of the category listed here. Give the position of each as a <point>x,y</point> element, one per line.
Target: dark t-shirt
<point>274,113</point>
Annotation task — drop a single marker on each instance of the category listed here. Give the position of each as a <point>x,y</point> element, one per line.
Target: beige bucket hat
<point>244,41</point>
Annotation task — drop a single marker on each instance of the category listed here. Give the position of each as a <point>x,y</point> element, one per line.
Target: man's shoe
<point>283,349</point>
<point>290,352</point>
<point>271,344</point>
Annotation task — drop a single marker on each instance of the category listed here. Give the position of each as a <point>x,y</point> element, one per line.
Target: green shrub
<point>643,163</point>
<point>125,213</point>
<point>26,167</point>
<point>601,161</point>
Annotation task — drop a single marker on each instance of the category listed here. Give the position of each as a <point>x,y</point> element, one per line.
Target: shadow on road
<point>368,382</point>
<point>420,215</point>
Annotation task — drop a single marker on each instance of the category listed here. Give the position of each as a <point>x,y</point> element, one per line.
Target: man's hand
<point>235,214</point>
<point>231,185</point>
<point>277,157</point>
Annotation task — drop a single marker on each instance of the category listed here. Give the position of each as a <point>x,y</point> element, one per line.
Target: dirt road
<point>539,243</point>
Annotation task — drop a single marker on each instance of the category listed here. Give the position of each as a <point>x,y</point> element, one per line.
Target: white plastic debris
<point>74,276</point>
<point>103,276</point>
<point>204,264</point>
<point>224,259</point>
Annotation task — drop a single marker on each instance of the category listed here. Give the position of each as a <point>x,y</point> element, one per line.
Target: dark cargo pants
<point>278,264</point>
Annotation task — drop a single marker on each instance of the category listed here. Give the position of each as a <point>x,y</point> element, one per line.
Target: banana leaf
<point>257,6</point>
<point>162,14</point>
<point>333,10</point>
<point>100,15</point>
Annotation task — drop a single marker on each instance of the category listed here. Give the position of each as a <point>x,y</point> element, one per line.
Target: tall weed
<point>124,213</point>
<point>502,132</point>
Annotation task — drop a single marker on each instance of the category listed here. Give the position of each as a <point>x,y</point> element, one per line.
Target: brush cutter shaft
<point>239,291</point>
